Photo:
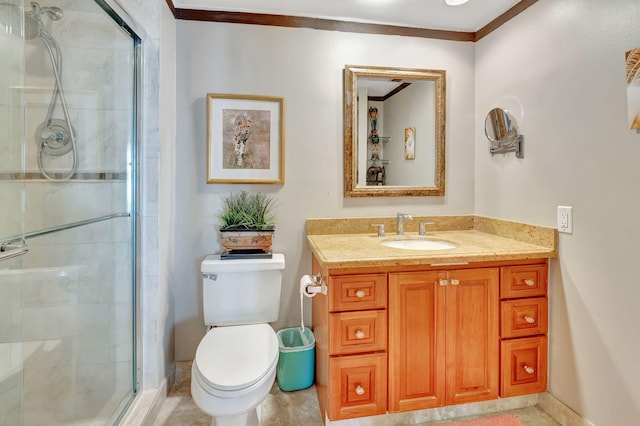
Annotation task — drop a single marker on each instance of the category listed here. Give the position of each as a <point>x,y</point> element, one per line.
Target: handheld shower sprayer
<point>54,13</point>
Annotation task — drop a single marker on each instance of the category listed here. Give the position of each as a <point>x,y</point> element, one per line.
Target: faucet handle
<point>380,228</point>
<point>422,231</point>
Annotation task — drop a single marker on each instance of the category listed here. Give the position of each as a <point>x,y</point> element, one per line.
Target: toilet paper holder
<point>319,285</point>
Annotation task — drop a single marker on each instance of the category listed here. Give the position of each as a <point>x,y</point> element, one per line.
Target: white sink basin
<point>419,244</point>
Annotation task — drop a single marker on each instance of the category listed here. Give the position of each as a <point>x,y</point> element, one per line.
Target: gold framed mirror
<point>394,131</point>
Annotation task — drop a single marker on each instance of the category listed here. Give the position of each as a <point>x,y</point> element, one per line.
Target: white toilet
<point>235,364</point>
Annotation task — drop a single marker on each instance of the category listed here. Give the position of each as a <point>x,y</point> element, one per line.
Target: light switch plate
<point>565,219</point>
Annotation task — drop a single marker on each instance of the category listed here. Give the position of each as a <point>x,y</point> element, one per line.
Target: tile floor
<point>290,409</point>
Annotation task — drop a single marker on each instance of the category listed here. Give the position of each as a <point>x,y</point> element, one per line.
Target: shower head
<point>54,13</point>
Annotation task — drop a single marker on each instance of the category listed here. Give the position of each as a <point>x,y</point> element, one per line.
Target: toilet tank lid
<point>213,263</point>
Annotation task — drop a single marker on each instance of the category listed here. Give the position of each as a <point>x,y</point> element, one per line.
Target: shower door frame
<point>119,14</point>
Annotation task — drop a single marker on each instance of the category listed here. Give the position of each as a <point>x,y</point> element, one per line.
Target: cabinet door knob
<point>529,319</point>
<point>454,281</point>
<point>360,293</point>
<point>529,370</point>
<point>444,282</point>
<point>359,390</point>
<point>360,334</point>
<point>530,283</point>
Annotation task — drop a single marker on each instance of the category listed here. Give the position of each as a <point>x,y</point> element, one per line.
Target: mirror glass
<point>394,131</point>
<point>498,125</point>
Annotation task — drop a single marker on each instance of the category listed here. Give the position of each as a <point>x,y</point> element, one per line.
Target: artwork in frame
<point>409,143</point>
<point>633,87</point>
<point>245,139</point>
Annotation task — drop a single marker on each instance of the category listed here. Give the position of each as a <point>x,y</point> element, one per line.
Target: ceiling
<point>431,14</point>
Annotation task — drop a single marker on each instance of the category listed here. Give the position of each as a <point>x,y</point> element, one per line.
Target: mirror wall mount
<point>433,126</point>
<point>502,131</point>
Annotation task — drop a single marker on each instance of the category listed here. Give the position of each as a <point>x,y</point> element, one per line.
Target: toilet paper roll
<point>308,286</point>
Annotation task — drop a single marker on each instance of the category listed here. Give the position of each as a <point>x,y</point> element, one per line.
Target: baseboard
<point>443,413</point>
<point>560,412</point>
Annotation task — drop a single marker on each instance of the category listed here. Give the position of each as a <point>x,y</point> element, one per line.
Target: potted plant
<point>248,223</point>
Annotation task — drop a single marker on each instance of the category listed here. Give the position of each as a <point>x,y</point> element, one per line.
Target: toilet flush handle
<point>211,277</point>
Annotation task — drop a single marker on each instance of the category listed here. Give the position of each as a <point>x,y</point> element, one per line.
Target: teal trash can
<point>296,363</point>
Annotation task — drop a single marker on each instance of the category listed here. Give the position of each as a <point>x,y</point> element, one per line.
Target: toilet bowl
<point>233,372</point>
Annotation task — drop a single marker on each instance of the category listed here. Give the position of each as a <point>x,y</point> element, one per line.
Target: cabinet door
<point>472,327</point>
<point>416,340</point>
<point>524,366</point>
<point>357,386</point>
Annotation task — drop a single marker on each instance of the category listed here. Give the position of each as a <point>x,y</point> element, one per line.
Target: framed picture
<point>245,139</point>
<point>410,143</point>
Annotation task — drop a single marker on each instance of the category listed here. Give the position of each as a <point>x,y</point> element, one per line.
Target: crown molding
<point>345,26</point>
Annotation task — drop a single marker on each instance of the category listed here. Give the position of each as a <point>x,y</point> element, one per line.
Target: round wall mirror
<point>502,131</point>
<point>498,126</point>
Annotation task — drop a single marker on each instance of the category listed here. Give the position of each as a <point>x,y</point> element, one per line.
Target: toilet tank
<point>241,291</point>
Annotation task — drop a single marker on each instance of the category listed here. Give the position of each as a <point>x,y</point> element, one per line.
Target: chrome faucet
<point>401,219</point>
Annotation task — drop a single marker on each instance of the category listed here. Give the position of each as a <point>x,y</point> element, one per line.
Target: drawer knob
<point>360,334</point>
<point>529,319</point>
<point>360,293</point>
<point>529,370</point>
<point>530,283</point>
<point>359,390</point>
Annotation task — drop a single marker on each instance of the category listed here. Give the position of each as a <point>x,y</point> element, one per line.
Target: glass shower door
<point>67,307</point>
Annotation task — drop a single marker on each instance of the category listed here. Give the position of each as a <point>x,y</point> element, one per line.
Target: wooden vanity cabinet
<point>443,338</point>
<point>408,338</point>
<point>523,329</point>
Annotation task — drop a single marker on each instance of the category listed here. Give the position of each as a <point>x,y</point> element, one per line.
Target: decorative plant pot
<point>246,241</point>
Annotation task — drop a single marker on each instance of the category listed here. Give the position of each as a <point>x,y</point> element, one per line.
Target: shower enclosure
<point>68,112</point>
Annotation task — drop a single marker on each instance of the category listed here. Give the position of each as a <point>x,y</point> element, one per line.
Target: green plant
<point>247,211</point>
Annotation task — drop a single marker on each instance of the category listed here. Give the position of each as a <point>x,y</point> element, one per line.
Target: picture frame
<point>409,143</point>
<point>245,139</point>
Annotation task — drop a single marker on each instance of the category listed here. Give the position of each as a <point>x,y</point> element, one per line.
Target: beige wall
<point>560,66</point>
<point>305,67</point>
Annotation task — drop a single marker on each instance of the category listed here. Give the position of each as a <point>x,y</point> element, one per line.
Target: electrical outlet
<point>565,219</point>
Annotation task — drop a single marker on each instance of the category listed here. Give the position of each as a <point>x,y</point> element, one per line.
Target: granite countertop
<point>477,239</point>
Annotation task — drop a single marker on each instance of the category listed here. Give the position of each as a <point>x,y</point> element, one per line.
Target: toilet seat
<point>231,361</point>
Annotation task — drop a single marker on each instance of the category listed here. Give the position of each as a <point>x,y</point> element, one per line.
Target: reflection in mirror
<point>502,131</point>
<point>394,131</point>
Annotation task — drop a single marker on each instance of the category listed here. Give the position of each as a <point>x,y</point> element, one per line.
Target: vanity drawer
<point>357,386</point>
<point>357,292</point>
<point>523,281</point>
<point>524,366</point>
<point>354,332</point>
<point>524,317</point>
